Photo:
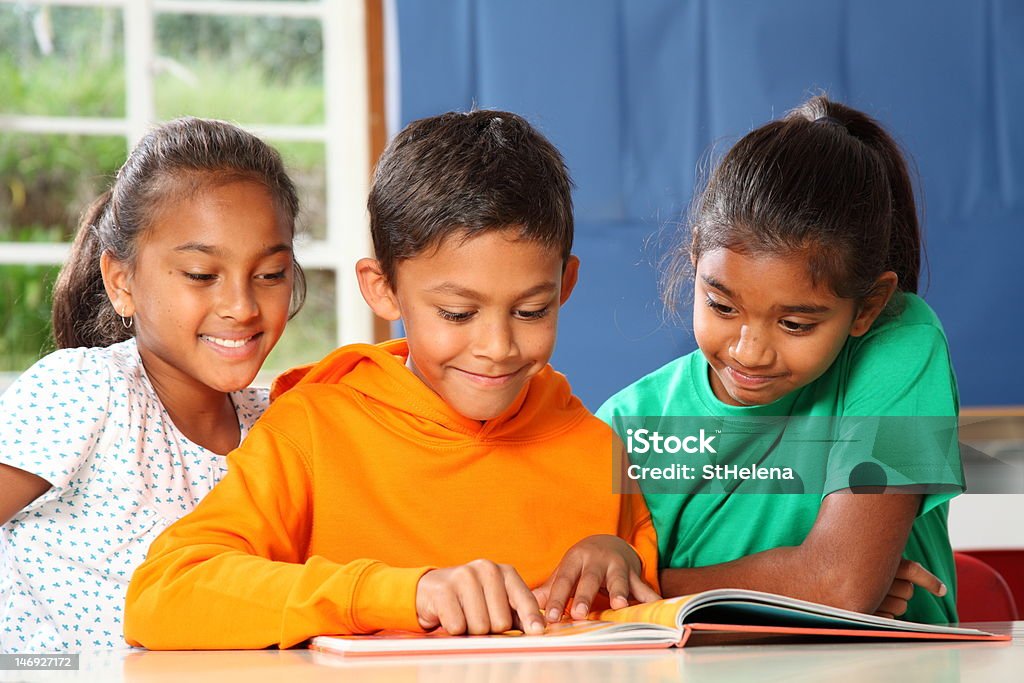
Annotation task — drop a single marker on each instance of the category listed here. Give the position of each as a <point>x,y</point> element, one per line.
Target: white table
<point>845,661</point>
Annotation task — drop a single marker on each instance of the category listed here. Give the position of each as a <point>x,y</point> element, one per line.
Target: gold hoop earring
<point>126,321</point>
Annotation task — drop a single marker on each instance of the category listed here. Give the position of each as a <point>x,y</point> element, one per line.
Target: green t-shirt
<point>901,367</point>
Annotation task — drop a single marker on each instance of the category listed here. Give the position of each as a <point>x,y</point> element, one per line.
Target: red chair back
<point>1009,562</point>
<point>982,593</point>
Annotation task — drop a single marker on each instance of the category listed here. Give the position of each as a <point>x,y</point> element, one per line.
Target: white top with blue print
<point>89,422</point>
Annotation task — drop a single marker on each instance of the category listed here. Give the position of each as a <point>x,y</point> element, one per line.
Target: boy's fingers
<point>558,595</point>
<point>449,614</point>
<point>541,592</point>
<point>522,601</point>
<point>587,587</point>
<point>640,591</point>
<point>919,576</point>
<point>499,610</point>
<point>473,605</point>
<point>617,585</point>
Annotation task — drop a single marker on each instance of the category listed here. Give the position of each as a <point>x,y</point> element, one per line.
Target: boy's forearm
<point>198,598</point>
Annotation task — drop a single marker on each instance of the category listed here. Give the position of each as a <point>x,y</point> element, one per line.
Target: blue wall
<point>634,92</point>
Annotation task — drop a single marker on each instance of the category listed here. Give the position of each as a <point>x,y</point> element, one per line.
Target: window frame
<point>344,132</point>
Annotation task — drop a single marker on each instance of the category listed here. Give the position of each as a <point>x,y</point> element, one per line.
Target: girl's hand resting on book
<point>594,563</point>
<point>477,598</point>
<point>908,575</point>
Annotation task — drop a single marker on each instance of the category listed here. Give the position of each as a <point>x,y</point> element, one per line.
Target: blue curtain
<point>636,92</point>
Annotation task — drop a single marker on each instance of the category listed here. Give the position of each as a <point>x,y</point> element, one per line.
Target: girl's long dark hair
<point>826,182</point>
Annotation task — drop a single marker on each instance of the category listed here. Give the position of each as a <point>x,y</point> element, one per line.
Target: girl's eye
<point>532,315</point>
<point>721,309</point>
<point>453,316</point>
<point>200,277</point>
<point>280,275</point>
<point>792,326</point>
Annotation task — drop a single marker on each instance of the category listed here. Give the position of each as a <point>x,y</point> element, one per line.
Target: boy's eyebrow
<point>215,251</point>
<point>457,290</point>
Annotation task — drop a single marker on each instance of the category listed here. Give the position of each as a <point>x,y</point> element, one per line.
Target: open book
<point>715,616</point>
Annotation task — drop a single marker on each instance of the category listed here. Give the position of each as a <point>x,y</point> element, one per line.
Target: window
<point>87,78</point>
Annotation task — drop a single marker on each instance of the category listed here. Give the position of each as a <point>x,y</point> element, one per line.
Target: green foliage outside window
<point>25,306</point>
<point>244,69</point>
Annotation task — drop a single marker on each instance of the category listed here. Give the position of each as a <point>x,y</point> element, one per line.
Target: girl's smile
<point>749,380</point>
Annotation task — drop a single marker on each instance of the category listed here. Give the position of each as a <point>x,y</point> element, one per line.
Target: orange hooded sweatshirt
<point>357,481</point>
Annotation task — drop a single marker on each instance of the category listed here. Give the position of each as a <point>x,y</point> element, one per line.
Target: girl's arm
<point>19,489</point>
<point>848,559</point>
<point>45,441</point>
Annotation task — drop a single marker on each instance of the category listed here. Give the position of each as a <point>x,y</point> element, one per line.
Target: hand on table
<point>595,563</point>
<point>477,598</point>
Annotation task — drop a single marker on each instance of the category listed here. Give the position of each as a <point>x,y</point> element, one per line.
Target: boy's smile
<point>765,328</point>
<point>480,315</point>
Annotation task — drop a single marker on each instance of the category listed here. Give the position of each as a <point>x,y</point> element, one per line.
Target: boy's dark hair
<point>464,174</point>
<point>826,182</point>
<point>172,161</point>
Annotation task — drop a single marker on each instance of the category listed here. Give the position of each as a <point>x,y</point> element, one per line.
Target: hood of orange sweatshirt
<point>395,395</point>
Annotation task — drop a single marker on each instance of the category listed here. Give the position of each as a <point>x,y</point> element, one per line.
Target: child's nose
<point>495,341</point>
<point>238,301</point>
<point>751,349</point>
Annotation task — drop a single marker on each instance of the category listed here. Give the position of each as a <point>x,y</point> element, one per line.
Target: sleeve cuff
<point>385,598</point>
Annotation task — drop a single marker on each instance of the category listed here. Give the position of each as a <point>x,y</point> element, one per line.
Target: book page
<point>662,612</point>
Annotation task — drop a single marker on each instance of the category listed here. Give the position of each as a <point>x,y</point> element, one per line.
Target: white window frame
<point>344,132</point>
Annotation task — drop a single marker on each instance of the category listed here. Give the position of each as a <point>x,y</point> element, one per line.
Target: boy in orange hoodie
<point>362,498</point>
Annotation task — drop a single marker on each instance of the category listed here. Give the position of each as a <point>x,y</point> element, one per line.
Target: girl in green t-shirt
<point>804,251</point>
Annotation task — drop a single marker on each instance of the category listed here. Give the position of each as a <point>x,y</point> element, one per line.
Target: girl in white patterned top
<point>179,283</point>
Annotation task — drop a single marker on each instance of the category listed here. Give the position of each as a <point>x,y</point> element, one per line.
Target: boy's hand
<point>908,575</point>
<point>594,563</point>
<point>477,598</point>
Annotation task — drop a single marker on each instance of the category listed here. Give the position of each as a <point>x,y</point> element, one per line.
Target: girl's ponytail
<point>904,252</point>
<point>905,239</point>
<point>82,314</point>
